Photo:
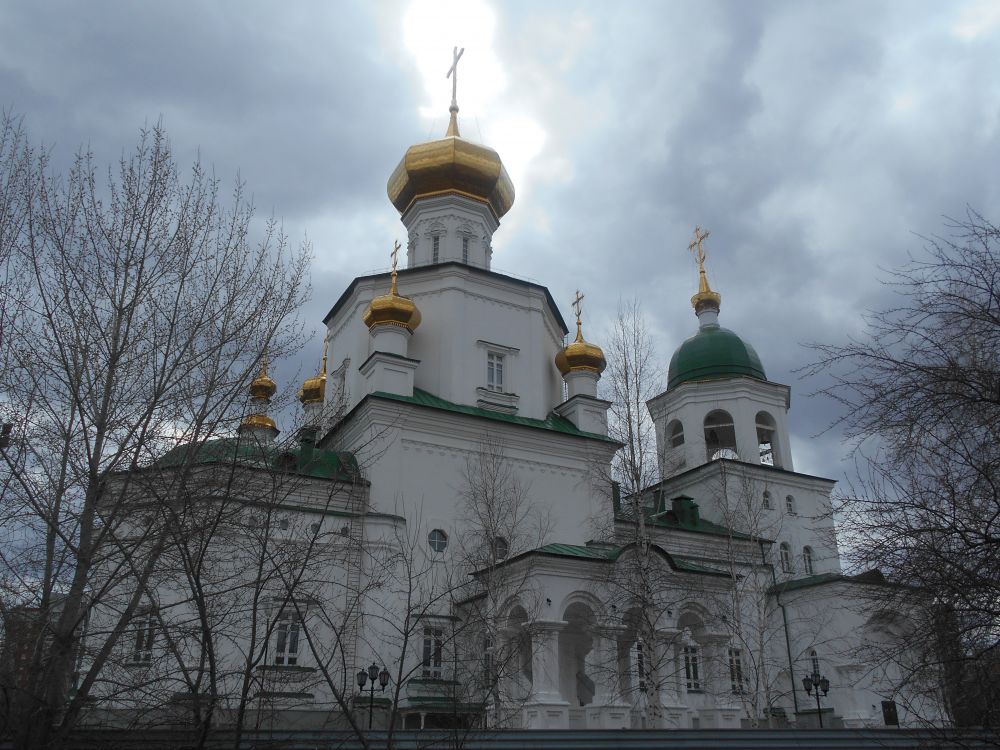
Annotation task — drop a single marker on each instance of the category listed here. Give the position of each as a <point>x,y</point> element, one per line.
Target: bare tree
<point>919,391</point>
<point>147,304</point>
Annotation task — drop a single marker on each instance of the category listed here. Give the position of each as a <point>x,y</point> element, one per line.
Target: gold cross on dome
<point>395,255</point>
<point>453,74</point>
<point>697,249</point>
<point>577,307</point>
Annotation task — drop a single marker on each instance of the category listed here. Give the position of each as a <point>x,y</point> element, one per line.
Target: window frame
<point>790,505</point>
<point>432,653</point>
<point>785,557</point>
<point>435,248</point>
<point>287,638</point>
<point>807,560</point>
<point>737,680</point>
<point>437,538</point>
<point>495,371</point>
<point>692,670</point>
<point>147,624</point>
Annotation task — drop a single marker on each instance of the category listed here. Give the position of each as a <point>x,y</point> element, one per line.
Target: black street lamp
<point>815,680</point>
<point>372,673</point>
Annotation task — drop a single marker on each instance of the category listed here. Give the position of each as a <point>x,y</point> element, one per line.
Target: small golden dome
<point>392,309</point>
<point>580,355</point>
<point>313,390</point>
<point>262,387</point>
<point>258,420</point>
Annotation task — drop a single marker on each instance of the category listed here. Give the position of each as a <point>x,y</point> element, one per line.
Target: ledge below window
<point>496,400</point>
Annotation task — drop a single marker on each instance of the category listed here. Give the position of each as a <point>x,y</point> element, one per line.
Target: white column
<point>545,660</point>
<point>602,665</point>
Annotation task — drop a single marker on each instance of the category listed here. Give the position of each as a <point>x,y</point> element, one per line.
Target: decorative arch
<point>585,598</point>
<point>720,435</point>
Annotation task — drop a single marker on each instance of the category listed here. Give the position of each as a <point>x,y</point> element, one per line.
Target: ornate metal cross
<point>699,253</point>
<point>453,74</point>
<point>394,254</point>
<point>577,307</point>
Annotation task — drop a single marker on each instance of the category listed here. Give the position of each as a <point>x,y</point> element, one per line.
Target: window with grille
<point>692,675</point>
<point>465,249</point>
<point>736,670</point>
<point>286,640</point>
<point>640,667</point>
<point>494,372</point>
<point>145,636</point>
<point>433,646</point>
<point>435,248</point>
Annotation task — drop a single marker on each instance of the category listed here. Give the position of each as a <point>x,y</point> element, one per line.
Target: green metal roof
<point>713,352</point>
<point>308,461</point>
<point>552,422</point>
<point>668,520</point>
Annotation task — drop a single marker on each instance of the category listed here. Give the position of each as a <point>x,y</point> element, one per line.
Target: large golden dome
<point>392,309</point>
<point>580,355</point>
<point>451,165</point>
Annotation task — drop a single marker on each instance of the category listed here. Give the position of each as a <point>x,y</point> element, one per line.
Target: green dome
<point>713,352</point>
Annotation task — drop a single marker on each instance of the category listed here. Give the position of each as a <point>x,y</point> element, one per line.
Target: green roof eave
<point>552,423</point>
<point>609,555</point>
<point>313,462</point>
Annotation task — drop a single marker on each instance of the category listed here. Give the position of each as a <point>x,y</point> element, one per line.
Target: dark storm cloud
<point>814,140</point>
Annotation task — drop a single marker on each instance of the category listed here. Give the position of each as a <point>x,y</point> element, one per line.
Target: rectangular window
<point>640,667</point>
<point>286,640</point>
<point>433,646</point>
<point>691,672</point>
<point>494,372</point>
<point>436,248</point>
<point>736,670</point>
<point>465,249</point>
<point>145,635</point>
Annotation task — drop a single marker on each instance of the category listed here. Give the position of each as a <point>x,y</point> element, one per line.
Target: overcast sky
<point>817,141</point>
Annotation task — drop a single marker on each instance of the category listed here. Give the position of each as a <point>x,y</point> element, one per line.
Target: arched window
<point>675,443</point>
<point>766,437</point>
<point>807,560</point>
<point>676,431</point>
<point>785,556</point>
<point>790,504</point>
<point>766,501</point>
<point>720,436</point>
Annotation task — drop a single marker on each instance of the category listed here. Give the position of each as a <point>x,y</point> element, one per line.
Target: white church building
<point>454,522</point>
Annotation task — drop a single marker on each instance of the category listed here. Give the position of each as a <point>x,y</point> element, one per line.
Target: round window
<point>438,540</point>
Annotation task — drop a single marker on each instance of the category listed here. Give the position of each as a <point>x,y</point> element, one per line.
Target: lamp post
<point>817,681</point>
<point>372,674</point>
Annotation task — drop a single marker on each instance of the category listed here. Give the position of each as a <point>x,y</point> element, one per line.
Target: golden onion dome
<point>262,387</point>
<point>580,355</point>
<point>392,309</point>
<point>313,389</point>
<point>258,420</point>
<point>452,165</point>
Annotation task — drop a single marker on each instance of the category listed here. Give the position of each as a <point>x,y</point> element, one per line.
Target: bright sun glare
<point>431,29</point>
